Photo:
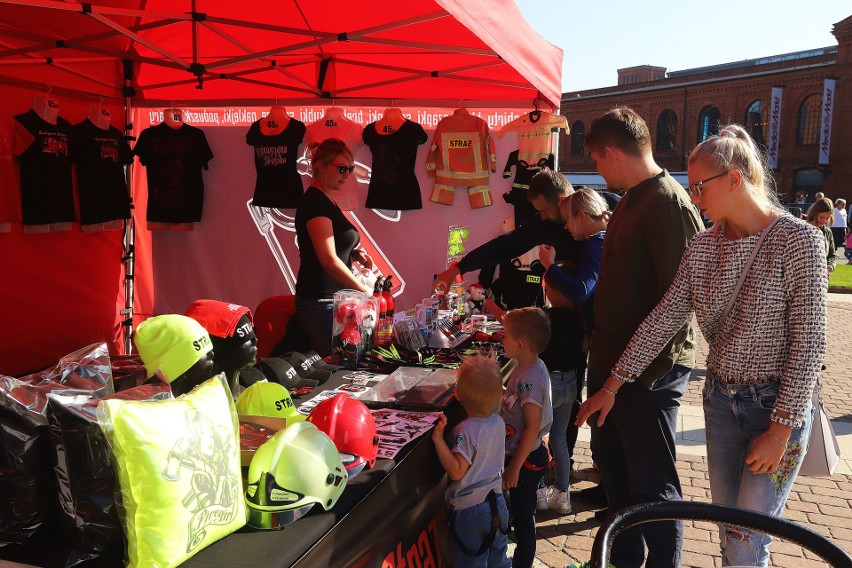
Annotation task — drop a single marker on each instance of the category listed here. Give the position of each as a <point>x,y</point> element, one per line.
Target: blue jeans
<point>734,416</point>
<point>472,526</point>
<point>635,450</point>
<point>315,317</point>
<point>563,391</point>
<point>522,505</point>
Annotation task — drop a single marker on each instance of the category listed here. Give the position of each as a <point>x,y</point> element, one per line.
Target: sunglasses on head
<point>343,169</point>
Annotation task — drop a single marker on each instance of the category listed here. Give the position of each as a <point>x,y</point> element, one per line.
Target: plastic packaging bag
<point>347,340</point>
<point>30,516</point>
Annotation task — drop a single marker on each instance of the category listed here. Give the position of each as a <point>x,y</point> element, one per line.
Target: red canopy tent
<point>61,290</point>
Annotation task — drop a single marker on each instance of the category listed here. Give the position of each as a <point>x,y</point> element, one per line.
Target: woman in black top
<point>328,243</point>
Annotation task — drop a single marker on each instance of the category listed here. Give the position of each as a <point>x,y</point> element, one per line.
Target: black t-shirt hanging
<point>313,281</point>
<point>393,183</point>
<point>278,183</point>
<point>174,158</point>
<point>100,156</point>
<point>46,193</point>
<point>524,173</point>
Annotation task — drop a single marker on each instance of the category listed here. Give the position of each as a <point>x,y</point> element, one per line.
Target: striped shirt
<point>776,329</point>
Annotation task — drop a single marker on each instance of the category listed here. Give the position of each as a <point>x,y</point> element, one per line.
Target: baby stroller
<point>692,511</point>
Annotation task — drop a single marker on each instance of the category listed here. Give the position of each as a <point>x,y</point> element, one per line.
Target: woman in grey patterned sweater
<point>765,356</point>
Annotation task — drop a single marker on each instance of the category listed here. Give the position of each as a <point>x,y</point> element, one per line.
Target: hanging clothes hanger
<point>275,121</point>
<point>46,106</point>
<point>334,113</point>
<point>535,115</point>
<point>98,115</point>
<point>391,121</point>
<point>173,117</point>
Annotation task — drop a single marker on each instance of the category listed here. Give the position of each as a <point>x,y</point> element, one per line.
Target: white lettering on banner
<point>429,119</point>
<point>774,127</point>
<point>238,116</point>
<point>310,115</point>
<point>825,131</point>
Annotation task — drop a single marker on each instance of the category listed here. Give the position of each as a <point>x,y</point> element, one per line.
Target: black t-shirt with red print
<point>100,156</point>
<point>43,150</point>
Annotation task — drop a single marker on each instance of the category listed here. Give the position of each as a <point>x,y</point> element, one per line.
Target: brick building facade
<point>684,107</point>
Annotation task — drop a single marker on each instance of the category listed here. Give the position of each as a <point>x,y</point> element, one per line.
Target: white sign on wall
<point>774,127</point>
<point>828,95</point>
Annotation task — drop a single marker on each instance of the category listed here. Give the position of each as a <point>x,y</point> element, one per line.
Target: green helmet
<point>294,469</point>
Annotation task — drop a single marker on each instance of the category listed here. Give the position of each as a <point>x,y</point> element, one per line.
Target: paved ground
<point>823,504</point>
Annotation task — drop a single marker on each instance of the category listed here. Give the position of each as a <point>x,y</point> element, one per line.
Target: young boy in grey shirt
<point>475,467</point>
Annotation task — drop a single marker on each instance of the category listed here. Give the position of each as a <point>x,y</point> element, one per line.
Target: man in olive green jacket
<point>648,232</point>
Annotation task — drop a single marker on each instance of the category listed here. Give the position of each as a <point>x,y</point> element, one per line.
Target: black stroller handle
<point>711,512</point>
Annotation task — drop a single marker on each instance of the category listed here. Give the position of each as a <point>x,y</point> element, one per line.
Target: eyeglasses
<point>696,188</point>
<point>343,169</point>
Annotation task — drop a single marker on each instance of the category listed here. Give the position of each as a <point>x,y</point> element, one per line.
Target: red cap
<point>218,318</point>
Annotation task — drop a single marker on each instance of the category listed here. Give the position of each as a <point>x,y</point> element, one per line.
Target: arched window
<point>756,122</point>
<point>578,135</point>
<point>708,122</point>
<point>807,130</point>
<point>666,131</point>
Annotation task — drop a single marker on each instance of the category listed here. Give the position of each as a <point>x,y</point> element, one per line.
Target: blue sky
<point>601,36</point>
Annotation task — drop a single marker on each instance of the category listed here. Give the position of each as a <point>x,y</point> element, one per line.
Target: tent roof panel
<point>448,49</point>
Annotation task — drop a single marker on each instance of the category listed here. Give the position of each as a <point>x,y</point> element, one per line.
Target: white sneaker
<point>559,501</point>
<point>541,501</point>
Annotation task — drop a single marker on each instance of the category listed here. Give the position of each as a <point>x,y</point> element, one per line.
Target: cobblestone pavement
<point>823,504</point>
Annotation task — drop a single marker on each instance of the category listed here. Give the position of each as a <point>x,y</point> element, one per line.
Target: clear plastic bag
<point>30,517</point>
<point>347,339</point>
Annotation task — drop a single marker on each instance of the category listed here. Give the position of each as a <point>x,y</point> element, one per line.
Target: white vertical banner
<point>825,121</point>
<point>774,127</point>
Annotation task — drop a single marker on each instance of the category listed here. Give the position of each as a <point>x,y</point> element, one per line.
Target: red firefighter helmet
<point>351,427</point>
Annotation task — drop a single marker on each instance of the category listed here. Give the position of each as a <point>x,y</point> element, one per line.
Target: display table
<point>389,516</point>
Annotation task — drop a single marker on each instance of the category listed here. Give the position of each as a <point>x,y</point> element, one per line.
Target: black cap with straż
<point>319,363</point>
<point>281,371</point>
<point>250,375</point>
<point>305,367</point>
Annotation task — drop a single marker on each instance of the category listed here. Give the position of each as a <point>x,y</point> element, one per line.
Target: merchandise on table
<point>347,332</point>
<point>178,467</point>
<point>297,468</point>
<point>91,527</point>
<point>31,512</point>
<point>350,426</point>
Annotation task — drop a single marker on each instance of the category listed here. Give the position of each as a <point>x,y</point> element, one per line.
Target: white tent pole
<point>130,227</point>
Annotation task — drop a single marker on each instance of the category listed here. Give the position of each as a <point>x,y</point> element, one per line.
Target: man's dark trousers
<point>635,451</point>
